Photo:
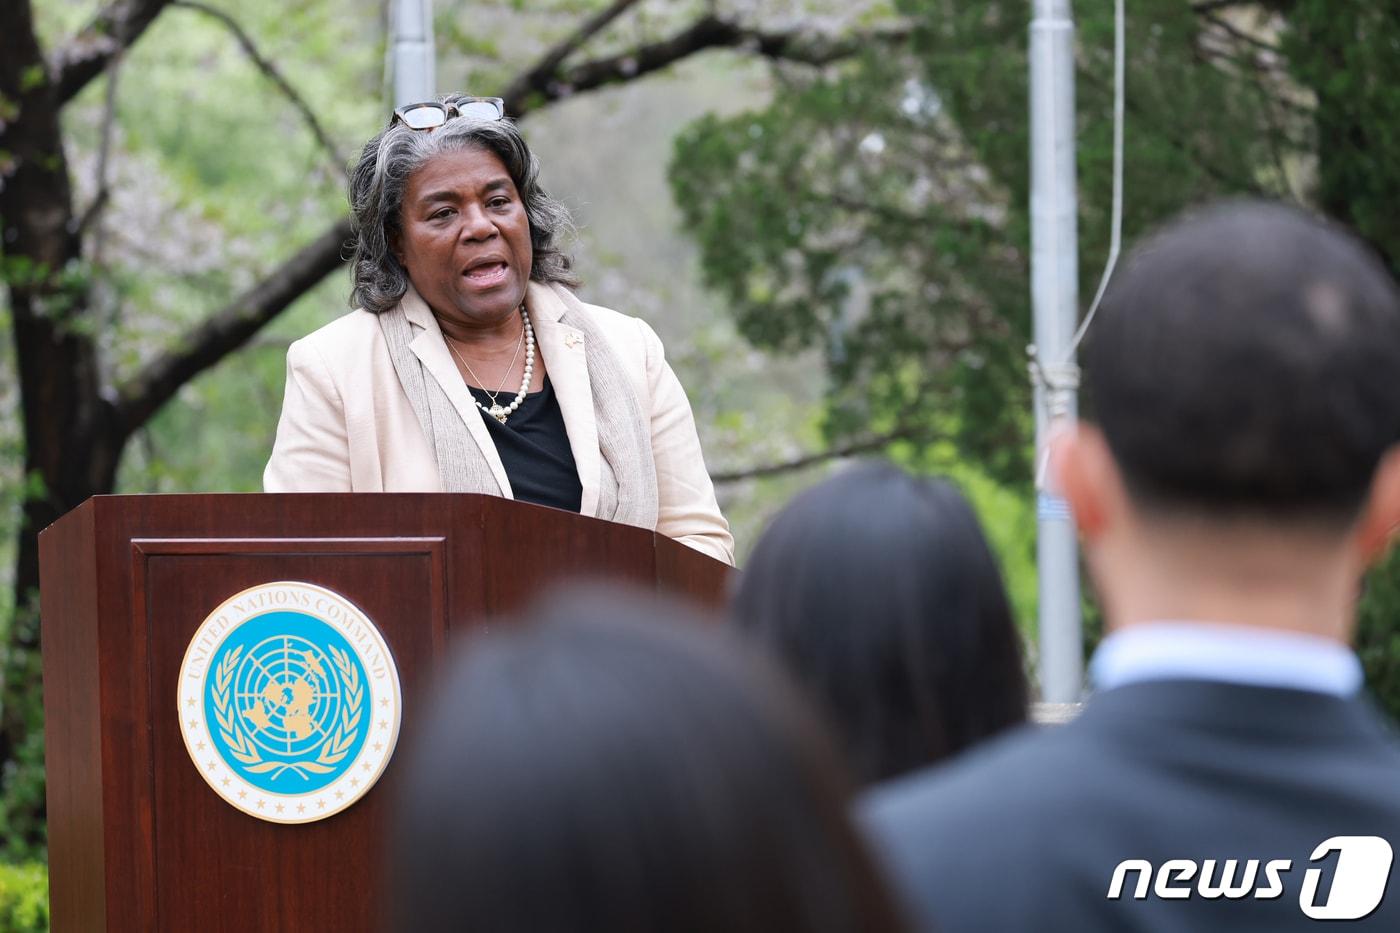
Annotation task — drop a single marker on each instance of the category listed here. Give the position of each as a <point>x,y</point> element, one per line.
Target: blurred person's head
<point>878,591</point>
<point>1239,461</point>
<point>614,764</point>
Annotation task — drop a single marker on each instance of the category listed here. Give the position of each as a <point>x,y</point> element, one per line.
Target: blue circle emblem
<point>287,703</point>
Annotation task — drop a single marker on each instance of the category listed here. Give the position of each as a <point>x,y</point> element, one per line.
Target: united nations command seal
<point>289,702</point>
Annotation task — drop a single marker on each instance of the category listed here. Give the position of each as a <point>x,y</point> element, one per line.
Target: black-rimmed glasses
<point>431,114</point>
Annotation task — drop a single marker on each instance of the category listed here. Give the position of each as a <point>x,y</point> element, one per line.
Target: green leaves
<point>24,898</point>
<point>1349,55</point>
<point>1378,633</point>
<point>35,76</point>
<point>878,211</point>
<point>846,218</point>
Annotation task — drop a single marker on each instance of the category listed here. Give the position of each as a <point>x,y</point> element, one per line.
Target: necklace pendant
<point>497,412</point>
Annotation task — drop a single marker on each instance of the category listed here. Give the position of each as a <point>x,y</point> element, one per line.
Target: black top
<point>534,449</point>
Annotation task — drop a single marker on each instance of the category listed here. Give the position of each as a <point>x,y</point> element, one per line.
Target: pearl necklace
<point>496,410</point>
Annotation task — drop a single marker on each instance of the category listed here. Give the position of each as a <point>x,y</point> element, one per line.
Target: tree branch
<point>707,32</point>
<point>92,216</point>
<point>230,327</point>
<point>1210,6</point>
<point>801,463</point>
<point>1240,35</point>
<point>271,72</point>
<point>94,210</point>
<point>543,71</point>
<point>84,56</point>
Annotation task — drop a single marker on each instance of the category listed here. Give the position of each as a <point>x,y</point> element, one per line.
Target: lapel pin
<point>572,340</point>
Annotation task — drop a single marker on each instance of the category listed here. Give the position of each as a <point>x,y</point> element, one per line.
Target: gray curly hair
<point>376,191</point>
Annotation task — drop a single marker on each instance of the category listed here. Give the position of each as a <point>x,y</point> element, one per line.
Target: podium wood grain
<point>137,840</point>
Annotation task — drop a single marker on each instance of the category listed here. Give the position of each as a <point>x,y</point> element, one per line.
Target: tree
<point>80,407</point>
<point>1345,55</point>
<point>878,210</point>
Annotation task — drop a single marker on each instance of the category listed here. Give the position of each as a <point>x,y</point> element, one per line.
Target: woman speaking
<point>469,365</point>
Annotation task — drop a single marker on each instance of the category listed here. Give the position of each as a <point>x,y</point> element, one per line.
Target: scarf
<point>627,491</point>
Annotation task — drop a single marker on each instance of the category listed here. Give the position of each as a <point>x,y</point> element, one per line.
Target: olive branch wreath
<point>332,751</point>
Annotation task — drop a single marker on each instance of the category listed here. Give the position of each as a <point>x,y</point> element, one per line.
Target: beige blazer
<point>347,425</point>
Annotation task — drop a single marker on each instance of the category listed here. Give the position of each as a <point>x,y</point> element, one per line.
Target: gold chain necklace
<point>527,340</point>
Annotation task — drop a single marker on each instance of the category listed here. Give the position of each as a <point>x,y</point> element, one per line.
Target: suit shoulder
<point>347,340</point>
<point>355,328</point>
<point>631,338</point>
<point>1019,776</point>
<point>946,832</point>
<point>620,327</point>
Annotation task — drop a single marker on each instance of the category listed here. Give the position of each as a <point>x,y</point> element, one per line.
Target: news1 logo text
<point>1358,876</point>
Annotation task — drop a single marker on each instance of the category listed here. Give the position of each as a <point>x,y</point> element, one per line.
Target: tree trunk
<point>70,442</point>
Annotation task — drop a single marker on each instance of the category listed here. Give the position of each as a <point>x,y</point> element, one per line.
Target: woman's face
<point>465,237</point>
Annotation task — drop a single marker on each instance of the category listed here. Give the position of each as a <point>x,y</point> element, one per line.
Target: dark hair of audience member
<point>615,764</point>
<point>879,593</point>
<point>1293,301</point>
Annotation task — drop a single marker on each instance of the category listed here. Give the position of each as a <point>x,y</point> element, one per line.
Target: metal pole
<point>1055,308</point>
<point>415,77</point>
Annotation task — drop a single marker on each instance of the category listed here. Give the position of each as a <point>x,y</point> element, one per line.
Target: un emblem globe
<point>288,694</point>
<point>287,698</point>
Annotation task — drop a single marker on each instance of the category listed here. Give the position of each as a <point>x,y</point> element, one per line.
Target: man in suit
<point>1240,471</point>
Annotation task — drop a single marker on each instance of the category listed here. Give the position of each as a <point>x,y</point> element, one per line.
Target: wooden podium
<point>137,840</point>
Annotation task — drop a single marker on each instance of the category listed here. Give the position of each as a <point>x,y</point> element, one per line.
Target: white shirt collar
<point>1228,653</point>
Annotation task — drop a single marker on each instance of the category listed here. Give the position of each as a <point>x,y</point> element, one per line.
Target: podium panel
<point>139,840</point>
